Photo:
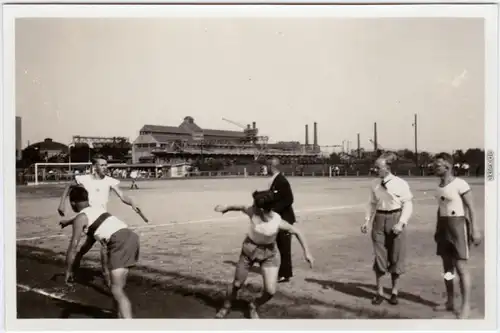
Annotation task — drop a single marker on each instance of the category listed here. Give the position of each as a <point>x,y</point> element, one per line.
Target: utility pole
<point>359,148</point>
<point>416,140</point>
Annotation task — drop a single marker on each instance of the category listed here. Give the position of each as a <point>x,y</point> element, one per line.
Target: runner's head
<point>100,166</point>
<point>383,164</point>
<point>273,165</point>
<point>263,200</point>
<point>78,198</point>
<point>443,164</point>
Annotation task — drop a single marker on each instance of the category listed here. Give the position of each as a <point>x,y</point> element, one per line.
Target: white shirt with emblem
<point>396,193</point>
<point>104,232</point>
<point>264,232</point>
<point>449,197</point>
<point>98,188</point>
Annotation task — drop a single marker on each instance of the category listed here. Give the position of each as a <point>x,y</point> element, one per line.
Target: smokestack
<point>254,125</point>
<point>307,135</point>
<point>359,147</point>
<point>375,142</point>
<point>315,134</point>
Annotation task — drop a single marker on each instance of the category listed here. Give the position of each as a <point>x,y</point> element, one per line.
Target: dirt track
<point>88,298</point>
<point>178,278</point>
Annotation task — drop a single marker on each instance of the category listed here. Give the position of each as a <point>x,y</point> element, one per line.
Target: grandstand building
<point>49,148</point>
<point>164,144</point>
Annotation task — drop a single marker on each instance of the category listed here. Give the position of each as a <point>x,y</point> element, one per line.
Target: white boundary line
<point>214,220</point>
<point>57,296</point>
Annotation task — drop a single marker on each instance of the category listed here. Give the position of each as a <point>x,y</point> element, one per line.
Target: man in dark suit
<point>281,187</point>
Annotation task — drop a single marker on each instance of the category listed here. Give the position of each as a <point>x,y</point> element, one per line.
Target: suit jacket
<point>284,195</point>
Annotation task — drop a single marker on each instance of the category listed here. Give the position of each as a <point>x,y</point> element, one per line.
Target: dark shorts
<point>452,237</point>
<point>251,253</point>
<point>123,249</point>
<point>389,248</point>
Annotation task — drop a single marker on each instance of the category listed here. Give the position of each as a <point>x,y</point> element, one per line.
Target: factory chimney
<point>307,135</point>
<point>315,135</point>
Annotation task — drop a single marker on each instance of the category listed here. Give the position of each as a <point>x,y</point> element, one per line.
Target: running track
<point>89,299</point>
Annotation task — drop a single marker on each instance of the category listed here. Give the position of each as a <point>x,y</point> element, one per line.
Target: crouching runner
<point>121,245</point>
<point>259,247</point>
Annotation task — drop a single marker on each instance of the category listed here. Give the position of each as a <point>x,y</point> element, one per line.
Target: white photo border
<point>7,166</point>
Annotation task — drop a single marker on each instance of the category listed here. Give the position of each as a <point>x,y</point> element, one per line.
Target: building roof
<point>163,129</point>
<point>145,138</point>
<point>187,127</point>
<point>49,144</point>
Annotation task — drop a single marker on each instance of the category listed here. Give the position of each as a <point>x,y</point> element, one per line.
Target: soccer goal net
<point>44,173</point>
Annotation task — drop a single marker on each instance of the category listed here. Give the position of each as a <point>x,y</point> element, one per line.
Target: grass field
<point>188,246</point>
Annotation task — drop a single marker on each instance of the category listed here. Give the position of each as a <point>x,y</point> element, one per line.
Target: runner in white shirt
<point>121,245</point>
<point>456,228</point>
<point>134,175</point>
<point>260,247</point>
<point>98,185</point>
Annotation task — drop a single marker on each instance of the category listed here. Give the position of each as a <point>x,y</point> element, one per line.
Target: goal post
<point>43,171</point>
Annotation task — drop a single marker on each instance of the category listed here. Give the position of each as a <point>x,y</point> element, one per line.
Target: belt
<point>267,246</point>
<point>388,211</point>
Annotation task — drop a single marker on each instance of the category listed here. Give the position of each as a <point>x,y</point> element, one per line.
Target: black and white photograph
<point>279,162</point>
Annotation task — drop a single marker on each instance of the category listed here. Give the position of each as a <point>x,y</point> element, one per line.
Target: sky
<point>109,77</point>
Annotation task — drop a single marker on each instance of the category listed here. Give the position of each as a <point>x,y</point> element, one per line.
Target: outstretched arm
<point>234,208</point>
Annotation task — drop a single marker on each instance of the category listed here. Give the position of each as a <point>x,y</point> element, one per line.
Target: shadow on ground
<point>359,290</point>
<point>205,291</point>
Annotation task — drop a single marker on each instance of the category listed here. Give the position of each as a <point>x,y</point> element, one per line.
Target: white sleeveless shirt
<point>104,232</point>
<point>97,188</point>
<point>261,232</point>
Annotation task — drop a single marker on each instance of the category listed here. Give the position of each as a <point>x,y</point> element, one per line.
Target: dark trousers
<point>284,242</point>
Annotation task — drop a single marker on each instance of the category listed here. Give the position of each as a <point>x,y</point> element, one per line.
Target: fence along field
<point>187,246</point>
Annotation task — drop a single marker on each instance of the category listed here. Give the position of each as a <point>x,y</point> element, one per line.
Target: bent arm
<point>65,193</point>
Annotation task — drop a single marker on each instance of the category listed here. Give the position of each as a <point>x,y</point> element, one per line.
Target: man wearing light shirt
<point>456,229</point>
<point>98,186</point>
<point>390,208</point>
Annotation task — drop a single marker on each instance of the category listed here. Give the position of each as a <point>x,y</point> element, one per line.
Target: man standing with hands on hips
<point>284,200</point>
<point>390,208</point>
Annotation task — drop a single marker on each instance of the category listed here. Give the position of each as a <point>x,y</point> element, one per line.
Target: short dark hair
<point>264,199</point>
<point>445,157</point>
<point>78,194</point>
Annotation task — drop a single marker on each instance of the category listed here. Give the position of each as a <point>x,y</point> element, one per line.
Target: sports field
<point>188,253</point>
